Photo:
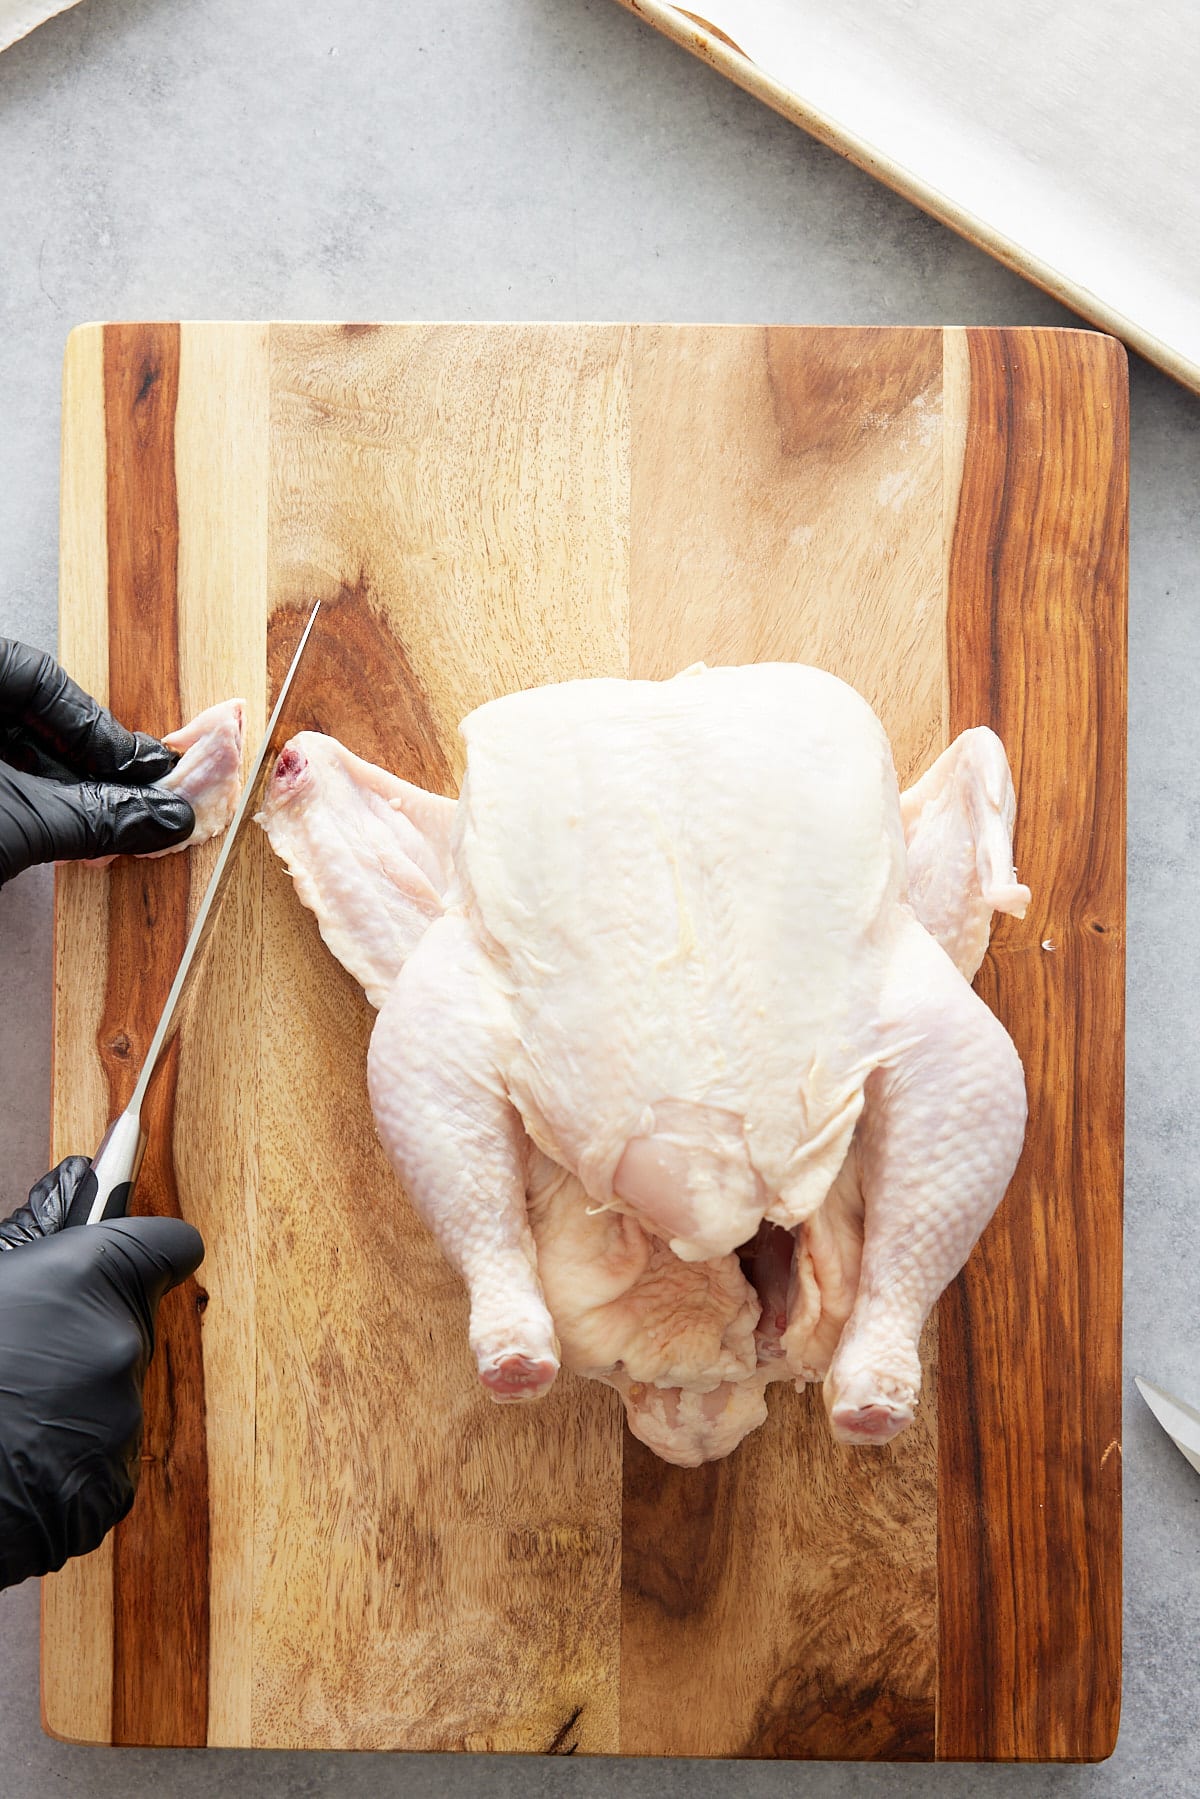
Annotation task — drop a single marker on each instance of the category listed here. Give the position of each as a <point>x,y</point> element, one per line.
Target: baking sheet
<point>1062,137</point>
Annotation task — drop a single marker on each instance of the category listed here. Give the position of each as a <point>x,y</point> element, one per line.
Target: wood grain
<point>186,546</point>
<point>1030,1423</point>
<point>77,1604</point>
<point>355,1548</point>
<point>786,1597</point>
<point>431,1571</point>
<point>787,503</point>
<point>160,1626</point>
<point>221,451</point>
<point>469,486</point>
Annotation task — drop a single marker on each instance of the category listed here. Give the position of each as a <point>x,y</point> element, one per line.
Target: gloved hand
<point>77,1314</point>
<point>73,782</point>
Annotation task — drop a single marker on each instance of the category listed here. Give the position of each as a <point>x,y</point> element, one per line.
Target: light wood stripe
<point>431,1571</point>
<point>77,1648</point>
<point>222,483</point>
<point>787,504</point>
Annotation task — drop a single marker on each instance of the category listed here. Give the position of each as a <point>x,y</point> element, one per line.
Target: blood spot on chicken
<point>290,764</point>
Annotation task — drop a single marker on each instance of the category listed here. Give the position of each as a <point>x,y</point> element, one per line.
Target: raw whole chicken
<point>676,1051</point>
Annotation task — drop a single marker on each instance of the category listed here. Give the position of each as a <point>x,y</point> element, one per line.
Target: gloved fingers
<point>45,821</point>
<point>100,1494</point>
<point>76,1334</point>
<point>21,751</point>
<point>55,1505</point>
<point>149,1256</point>
<point>129,821</point>
<point>79,1307</point>
<point>49,1515</point>
<point>105,1279</point>
<point>45,1211</point>
<point>45,706</point>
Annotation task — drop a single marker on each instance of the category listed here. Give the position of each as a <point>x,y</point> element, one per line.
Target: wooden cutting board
<point>338,1540</point>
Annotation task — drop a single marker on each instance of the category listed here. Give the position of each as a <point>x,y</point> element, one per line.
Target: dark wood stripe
<point>1029,1410</point>
<point>397,729</point>
<point>160,1563</point>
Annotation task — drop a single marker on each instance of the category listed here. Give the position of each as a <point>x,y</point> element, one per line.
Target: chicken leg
<point>958,822</point>
<point>458,1144</point>
<point>937,1144</point>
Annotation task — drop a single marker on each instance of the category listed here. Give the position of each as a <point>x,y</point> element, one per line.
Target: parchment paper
<point>1069,128</point>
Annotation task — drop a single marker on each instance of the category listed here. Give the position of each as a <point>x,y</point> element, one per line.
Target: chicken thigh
<point>675,1053</point>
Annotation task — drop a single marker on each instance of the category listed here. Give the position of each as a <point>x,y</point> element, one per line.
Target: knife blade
<point>1180,1420</point>
<point>105,1190</point>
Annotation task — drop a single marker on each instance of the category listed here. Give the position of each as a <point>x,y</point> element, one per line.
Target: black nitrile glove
<point>73,782</point>
<point>77,1312</point>
<point>45,1211</point>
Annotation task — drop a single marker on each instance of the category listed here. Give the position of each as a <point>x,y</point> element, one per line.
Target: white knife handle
<point>105,1190</point>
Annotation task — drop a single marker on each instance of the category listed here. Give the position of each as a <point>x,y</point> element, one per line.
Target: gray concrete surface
<point>554,159</point>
